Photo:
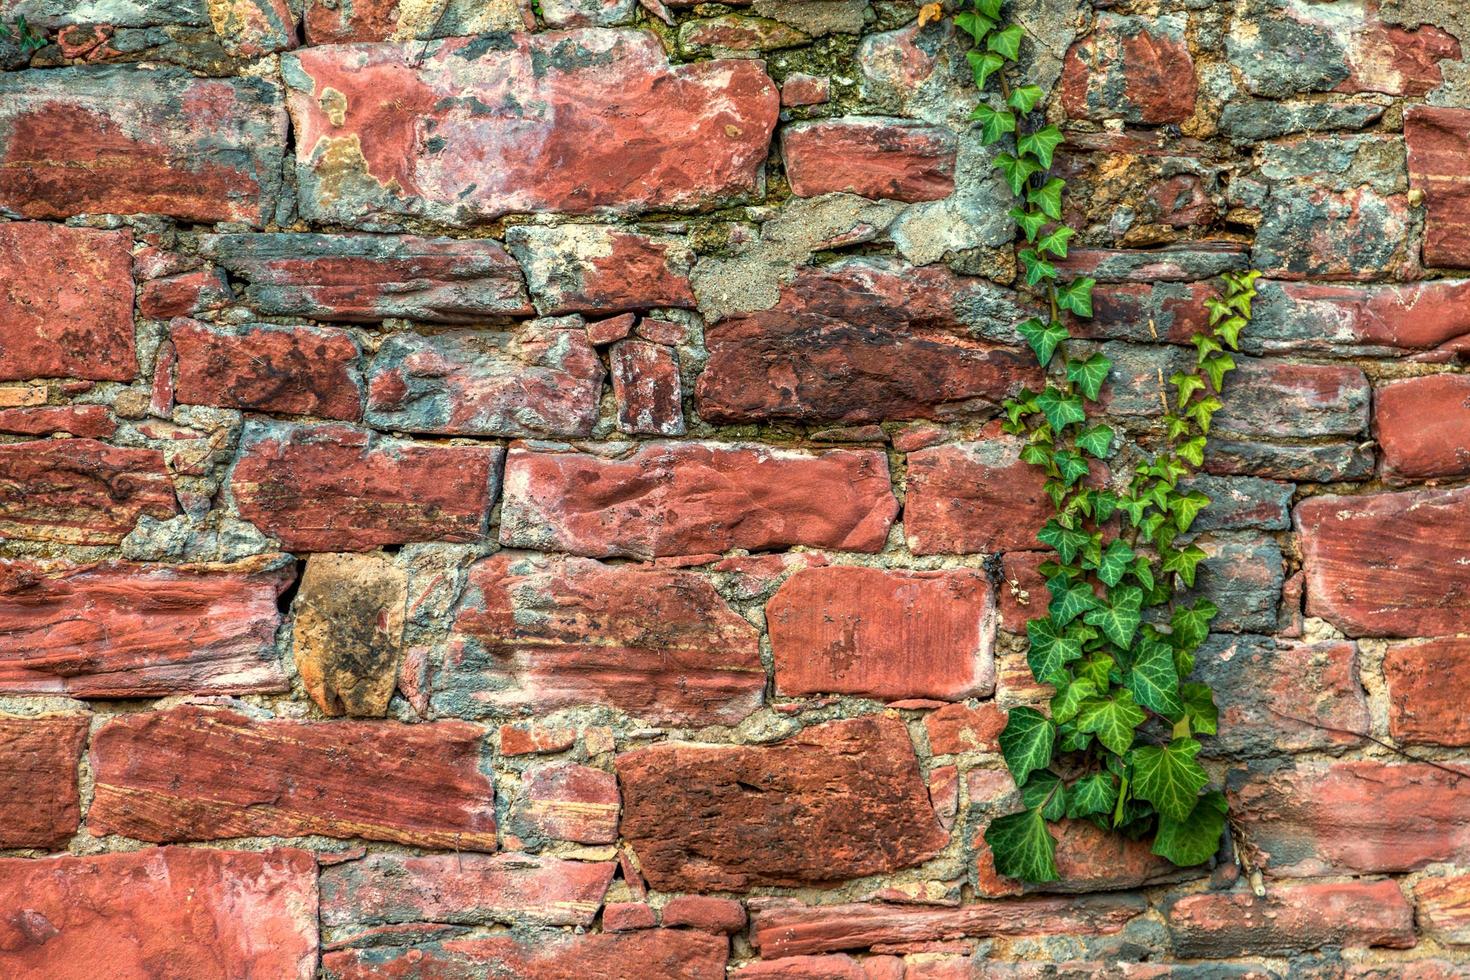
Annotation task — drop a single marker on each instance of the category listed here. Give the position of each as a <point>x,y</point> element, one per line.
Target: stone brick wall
<point>513,491</point>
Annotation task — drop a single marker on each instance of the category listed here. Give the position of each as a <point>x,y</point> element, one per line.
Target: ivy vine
<point>26,37</point>
<point>1117,644</point>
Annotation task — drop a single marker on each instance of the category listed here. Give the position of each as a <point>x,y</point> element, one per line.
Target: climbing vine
<point>23,35</point>
<point>1117,643</point>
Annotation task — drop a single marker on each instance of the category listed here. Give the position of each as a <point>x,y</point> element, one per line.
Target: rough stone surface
<point>973,497</point>
<point>672,498</point>
<point>697,816</point>
<point>336,488</point>
<point>1292,919</point>
<point>890,635</point>
<point>1423,426</point>
<point>536,632</point>
<point>39,802</point>
<point>348,632</point>
<point>600,269</point>
<point>870,157</point>
<point>122,140</point>
<point>1443,905</point>
<point>1136,69</point>
<point>638,955</point>
<point>647,388</point>
<point>125,630</point>
<point>197,913</point>
<point>564,134</point>
<point>67,306</point>
<point>80,491</point>
<point>266,368</point>
<point>566,802</point>
<point>192,773</point>
<point>1425,678</point>
<point>1438,140</point>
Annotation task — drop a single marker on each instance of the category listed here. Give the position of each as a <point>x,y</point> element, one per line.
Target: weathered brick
<point>536,633</point>
<point>848,629</point>
<point>1311,462</point>
<point>192,773</point>
<point>185,294</point>
<point>540,123</point>
<point>637,955</point>
<point>1275,696</point>
<point>974,497</point>
<point>1426,683</point>
<point>957,728</point>
<point>672,498</point>
<point>735,32</point>
<point>789,929</point>
<point>863,341</point>
<point>117,629</point>
<point>601,269</point>
<point>1313,232</point>
<point>646,387</point>
<point>1443,904</point>
<point>1423,425</point>
<point>1292,919</point>
<point>263,367</point>
<point>67,306</point>
<point>347,634</point>
<point>467,889</point>
<point>1137,69</point>
<point>801,89</point>
<point>365,278</point>
<point>1369,319</point>
<point>588,13</point>
<point>871,156</point>
<point>80,491</point>
<point>39,802</point>
<point>1439,140</point>
<point>540,378</point>
<point>338,488</point>
<point>564,801</point>
<point>123,140</point>
<point>336,22</point>
<point>720,915</point>
<point>1354,817</point>
<point>90,421</point>
<point>699,817</point>
<point>1417,587</point>
<point>251,28</point>
<point>211,915</point>
<point>1185,262</point>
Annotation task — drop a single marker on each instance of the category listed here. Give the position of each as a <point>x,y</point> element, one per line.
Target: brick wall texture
<point>499,489</point>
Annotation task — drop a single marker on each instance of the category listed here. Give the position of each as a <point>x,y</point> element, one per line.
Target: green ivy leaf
<point>1026,743</point>
<point>1060,410</point>
<point>1048,197</point>
<point>1022,846</point>
<point>1186,508</point>
<point>983,66</point>
<point>1007,42</point>
<point>1203,410</point>
<point>1187,384</point>
<point>1077,296</point>
<point>1068,601</point>
<point>1045,791</point>
<point>1090,374</point>
<point>1071,465</point>
<point>1024,98</point>
<point>1098,441</point>
<point>1154,680</point>
<point>1097,793</point>
<point>1184,562</point>
<point>993,124</point>
<point>1067,541</point>
<point>1169,777</point>
<point>1229,330</point>
<point>1051,649</point>
<point>1143,570</point>
<point>1030,222</point>
<point>1037,268</point>
<point>1196,838</point>
<point>1069,697</point>
<point>1119,620</point>
<point>1015,170</point>
<point>1042,144</point>
<point>974,24</point>
<point>1189,626</point>
<point>990,8</point>
<point>1044,338</point>
<point>1116,561</point>
<point>1112,720</point>
<point>1055,241</point>
<point>1192,451</point>
<point>1217,367</point>
<point>1096,668</point>
<point>1199,707</point>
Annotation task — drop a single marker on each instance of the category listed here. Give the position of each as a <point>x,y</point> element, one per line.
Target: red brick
<point>645,379</point>
<point>627,916</point>
<point>565,801</point>
<point>536,633</point>
<point>91,421</point>
<point>1443,904</point>
<point>469,889</point>
<point>848,629</point>
<point>541,378</point>
<point>116,629</point>
<point>849,794</point>
<point>203,914</point>
<point>793,930</point>
<point>889,159</point>
<point>957,728</point>
<point>975,497</point>
<point>39,801</point>
<point>331,22</point>
<point>1327,317</point>
<point>1355,817</point>
<point>535,739</point>
<point>1423,425</point>
<point>1426,691</point>
<point>546,122</point>
<point>1292,919</point>
<point>67,307</point>
<point>598,270</point>
<point>1417,587</point>
<point>638,955</point>
<point>800,89</point>
<point>120,139</point>
<point>694,498</point>
<point>718,915</point>
<point>612,329</point>
<point>80,491</point>
<point>192,773</point>
<point>1439,142</point>
<point>338,488</point>
<point>1022,595</point>
<point>267,368</point>
<point>865,340</point>
<point>184,295</point>
<point>1131,68</point>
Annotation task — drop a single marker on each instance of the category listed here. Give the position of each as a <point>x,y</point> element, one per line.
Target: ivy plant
<point>1119,744</point>
<point>28,39</point>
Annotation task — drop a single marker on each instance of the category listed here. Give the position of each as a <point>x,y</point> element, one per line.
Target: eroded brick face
<point>494,488</point>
